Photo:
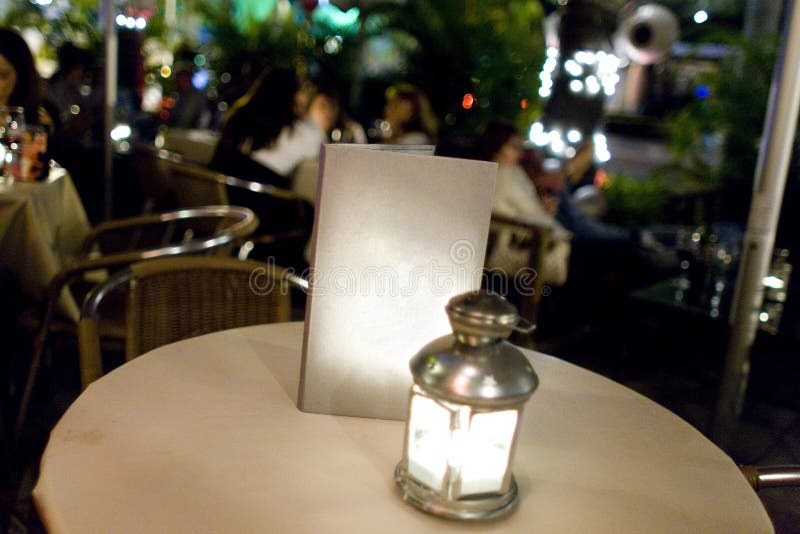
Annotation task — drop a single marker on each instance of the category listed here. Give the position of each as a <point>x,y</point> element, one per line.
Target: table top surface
<point>204,436</point>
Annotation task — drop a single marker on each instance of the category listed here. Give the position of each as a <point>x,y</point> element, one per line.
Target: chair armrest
<point>511,221</point>
<point>540,235</point>
<point>537,238</point>
<point>88,333</point>
<point>246,222</point>
<point>771,476</point>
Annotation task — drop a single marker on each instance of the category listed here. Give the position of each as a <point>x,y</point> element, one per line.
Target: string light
<point>589,72</point>
<point>701,16</point>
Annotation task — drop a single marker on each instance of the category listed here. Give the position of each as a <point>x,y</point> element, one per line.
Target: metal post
<point>759,237</point>
<point>111,49</point>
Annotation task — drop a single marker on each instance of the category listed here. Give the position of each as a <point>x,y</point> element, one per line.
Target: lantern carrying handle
<point>524,326</point>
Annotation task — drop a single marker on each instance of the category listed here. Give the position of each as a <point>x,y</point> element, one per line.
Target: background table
<point>42,227</point>
<point>204,436</point>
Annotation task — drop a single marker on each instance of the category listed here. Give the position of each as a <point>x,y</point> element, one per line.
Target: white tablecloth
<point>204,436</point>
<point>42,226</point>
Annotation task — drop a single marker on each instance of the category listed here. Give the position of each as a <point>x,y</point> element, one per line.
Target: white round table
<point>204,436</point>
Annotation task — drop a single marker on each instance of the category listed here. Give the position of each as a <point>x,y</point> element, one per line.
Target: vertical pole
<point>170,13</point>
<point>111,48</point>
<point>759,237</point>
<point>171,27</point>
<point>762,18</point>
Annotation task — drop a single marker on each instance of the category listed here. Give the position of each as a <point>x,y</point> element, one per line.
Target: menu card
<point>396,235</point>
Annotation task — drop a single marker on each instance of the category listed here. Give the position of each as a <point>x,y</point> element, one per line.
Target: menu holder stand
<point>396,235</point>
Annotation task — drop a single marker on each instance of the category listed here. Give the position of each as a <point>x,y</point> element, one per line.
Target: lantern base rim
<point>477,509</point>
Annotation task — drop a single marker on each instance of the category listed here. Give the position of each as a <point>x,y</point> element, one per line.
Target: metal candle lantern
<point>464,411</point>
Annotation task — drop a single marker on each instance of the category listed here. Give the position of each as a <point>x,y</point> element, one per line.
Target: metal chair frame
<point>244,224</point>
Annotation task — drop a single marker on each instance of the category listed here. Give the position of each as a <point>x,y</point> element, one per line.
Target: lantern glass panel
<point>488,449</point>
<point>428,441</point>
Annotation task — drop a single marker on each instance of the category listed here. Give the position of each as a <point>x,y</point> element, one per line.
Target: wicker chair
<point>116,244</point>
<point>176,298</point>
<point>523,287</point>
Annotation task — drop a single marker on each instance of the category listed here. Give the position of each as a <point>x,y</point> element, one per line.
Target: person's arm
<point>516,197</point>
<point>577,222</point>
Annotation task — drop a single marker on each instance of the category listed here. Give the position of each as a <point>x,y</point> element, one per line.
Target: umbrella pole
<point>110,103</point>
<point>759,238</point>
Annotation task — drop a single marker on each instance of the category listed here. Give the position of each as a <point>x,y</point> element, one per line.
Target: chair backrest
<point>518,248</point>
<point>192,144</point>
<point>152,169</point>
<point>170,299</point>
<point>194,185</point>
<point>285,218</point>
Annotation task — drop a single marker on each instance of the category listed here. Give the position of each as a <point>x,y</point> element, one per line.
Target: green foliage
<point>736,107</point>
<point>491,48</point>
<point>635,201</point>
<point>77,25</point>
<point>278,38</point>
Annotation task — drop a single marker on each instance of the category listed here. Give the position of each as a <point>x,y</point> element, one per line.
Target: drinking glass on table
<point>12,130</point>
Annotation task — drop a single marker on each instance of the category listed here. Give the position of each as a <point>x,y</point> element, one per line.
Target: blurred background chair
<point>524,286</point>
<point>170,299</point>
<point>285,217</point>
<point>196,145</point>
<point>153,173</point>
<point>116,244</point>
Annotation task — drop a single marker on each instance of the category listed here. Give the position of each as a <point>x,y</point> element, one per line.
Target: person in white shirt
<point>297,142</point>
<point>265,125</point>
<point>516,197</point>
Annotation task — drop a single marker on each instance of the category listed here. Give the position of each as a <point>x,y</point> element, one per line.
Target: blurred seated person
<point>20,85</point>
<point>569,213</point>
<point>263,136</point>
<point>407,117</point>
<point>606,261</point>
<point>191,104</point>
<point>516,197</point>
<point>325,108</point>
<point>69,92</point>
<point>263,139</point>
<point>635,242</point>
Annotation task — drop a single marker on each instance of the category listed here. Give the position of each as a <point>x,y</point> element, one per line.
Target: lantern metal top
<point>484,317</point>
<point>475,365</point>
<point>482,308</point>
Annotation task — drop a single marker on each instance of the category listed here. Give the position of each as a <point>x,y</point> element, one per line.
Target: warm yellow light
<point>447,443</point>
<point>166,71</point>
<point>487,452</point>
<point>428,441</point>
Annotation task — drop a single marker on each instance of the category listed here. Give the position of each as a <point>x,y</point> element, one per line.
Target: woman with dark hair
<point>263,140</point>
<point>408,117</point>
<point>263,137</point>
<point>20,84</point>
